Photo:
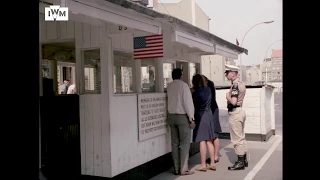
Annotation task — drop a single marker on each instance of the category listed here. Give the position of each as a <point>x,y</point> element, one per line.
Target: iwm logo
<point>56,13</point>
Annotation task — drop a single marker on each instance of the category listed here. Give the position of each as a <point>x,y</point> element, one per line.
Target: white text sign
<point>152,115</point>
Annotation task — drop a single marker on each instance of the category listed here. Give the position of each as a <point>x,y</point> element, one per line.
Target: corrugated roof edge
<point>191,29</point>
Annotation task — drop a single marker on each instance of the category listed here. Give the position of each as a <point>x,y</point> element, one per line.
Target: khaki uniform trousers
<point>237,118</point>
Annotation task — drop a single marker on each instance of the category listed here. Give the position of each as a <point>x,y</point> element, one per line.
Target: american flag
<point>148,47</point>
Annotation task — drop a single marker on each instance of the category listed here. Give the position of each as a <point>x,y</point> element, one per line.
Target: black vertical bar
<point>64,73</point>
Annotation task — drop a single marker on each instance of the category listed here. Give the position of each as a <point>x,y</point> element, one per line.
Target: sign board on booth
<point>152,115</point>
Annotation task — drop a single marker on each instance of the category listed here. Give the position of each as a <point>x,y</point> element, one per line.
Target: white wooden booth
<point>122,100</point>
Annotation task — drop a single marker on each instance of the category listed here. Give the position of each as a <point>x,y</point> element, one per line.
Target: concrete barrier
<point>259,107</point>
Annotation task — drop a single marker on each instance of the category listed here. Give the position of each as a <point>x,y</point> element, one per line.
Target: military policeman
<point>237,116</point>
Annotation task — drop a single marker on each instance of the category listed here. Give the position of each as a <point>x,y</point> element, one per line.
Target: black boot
<point>245,160</point>
<point>238,165</point>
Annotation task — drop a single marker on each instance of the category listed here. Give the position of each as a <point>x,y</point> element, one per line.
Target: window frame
<point>157,74</point>
<point>134,74</point>
<point>82,78</point>
<point>174,66</point>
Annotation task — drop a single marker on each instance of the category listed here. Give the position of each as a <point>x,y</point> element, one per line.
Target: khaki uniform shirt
<point>238,90</point>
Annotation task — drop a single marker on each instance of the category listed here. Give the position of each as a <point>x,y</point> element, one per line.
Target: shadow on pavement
<point>231,155</point>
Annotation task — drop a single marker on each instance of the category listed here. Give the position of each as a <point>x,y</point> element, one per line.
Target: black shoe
<point>245,160</point>
<point>208,161</point>
<point>238,165</point>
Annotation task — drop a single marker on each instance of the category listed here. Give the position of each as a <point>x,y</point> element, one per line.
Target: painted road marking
<point>263,160</point>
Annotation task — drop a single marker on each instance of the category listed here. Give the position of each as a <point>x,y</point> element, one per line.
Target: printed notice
<point>152,115</point>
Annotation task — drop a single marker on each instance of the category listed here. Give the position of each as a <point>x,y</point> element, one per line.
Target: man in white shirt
<point>72,89</point>
<point>180,120</point>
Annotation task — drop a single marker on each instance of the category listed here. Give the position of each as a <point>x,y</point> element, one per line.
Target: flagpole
<point>266,22</point>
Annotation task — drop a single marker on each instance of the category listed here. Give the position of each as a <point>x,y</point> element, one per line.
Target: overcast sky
<point>231,19</point>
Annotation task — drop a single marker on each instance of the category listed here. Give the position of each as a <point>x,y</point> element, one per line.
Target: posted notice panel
<point>152,115</point>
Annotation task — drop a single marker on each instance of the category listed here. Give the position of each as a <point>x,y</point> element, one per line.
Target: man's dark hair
<point>198,81</point>
<point>176,73</point>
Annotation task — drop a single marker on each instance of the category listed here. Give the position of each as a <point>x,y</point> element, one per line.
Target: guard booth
<point>115,124</point>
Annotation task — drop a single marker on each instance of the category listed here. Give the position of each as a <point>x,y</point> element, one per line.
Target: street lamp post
<point>266,57</point>
<point>266,22</point>
<point>270,46</point>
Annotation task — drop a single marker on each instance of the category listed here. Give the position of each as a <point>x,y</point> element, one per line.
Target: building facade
<point>252,74</point>
<point>212,66</point>
<point>271,68</point>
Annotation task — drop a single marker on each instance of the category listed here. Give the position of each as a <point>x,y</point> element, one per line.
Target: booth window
<point>46,69</point>
<point>167,74</point>
<point>148,75</point>
<point>193,71</point>
<point>122,73</point>
<point>92,71</point>
<point>59,75</point>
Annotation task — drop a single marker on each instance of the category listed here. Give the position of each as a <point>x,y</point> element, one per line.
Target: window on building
<point>92,71</point>
<point>148,75</point>
<point>122,73</point>
<point>167,73</point>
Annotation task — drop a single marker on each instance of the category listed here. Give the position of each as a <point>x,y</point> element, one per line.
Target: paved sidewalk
<point>259,153</point>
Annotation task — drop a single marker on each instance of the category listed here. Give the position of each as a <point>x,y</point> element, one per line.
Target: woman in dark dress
<point>217,127</point>
<point>204,128</point>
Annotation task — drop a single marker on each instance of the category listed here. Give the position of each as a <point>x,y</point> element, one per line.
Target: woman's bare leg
<point>203,153</point>
<point>216,144</point>
<point>211,152</point>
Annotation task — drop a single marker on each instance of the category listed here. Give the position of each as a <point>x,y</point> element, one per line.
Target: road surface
<point>265,159</point>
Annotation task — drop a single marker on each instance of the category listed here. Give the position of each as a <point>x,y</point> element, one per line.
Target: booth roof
<point>191,29</point>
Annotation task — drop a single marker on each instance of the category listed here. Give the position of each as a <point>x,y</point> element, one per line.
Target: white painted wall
<point>127,152</point>
<point>202,20</point>
<point>268,114</point>
<point>180,10</point>
<point>94,108</point>
<point>55,30</point>
<point>258,104</point>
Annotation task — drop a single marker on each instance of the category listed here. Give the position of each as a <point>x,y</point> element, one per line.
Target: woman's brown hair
<point>198,81</point>
<point>205,80</point>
